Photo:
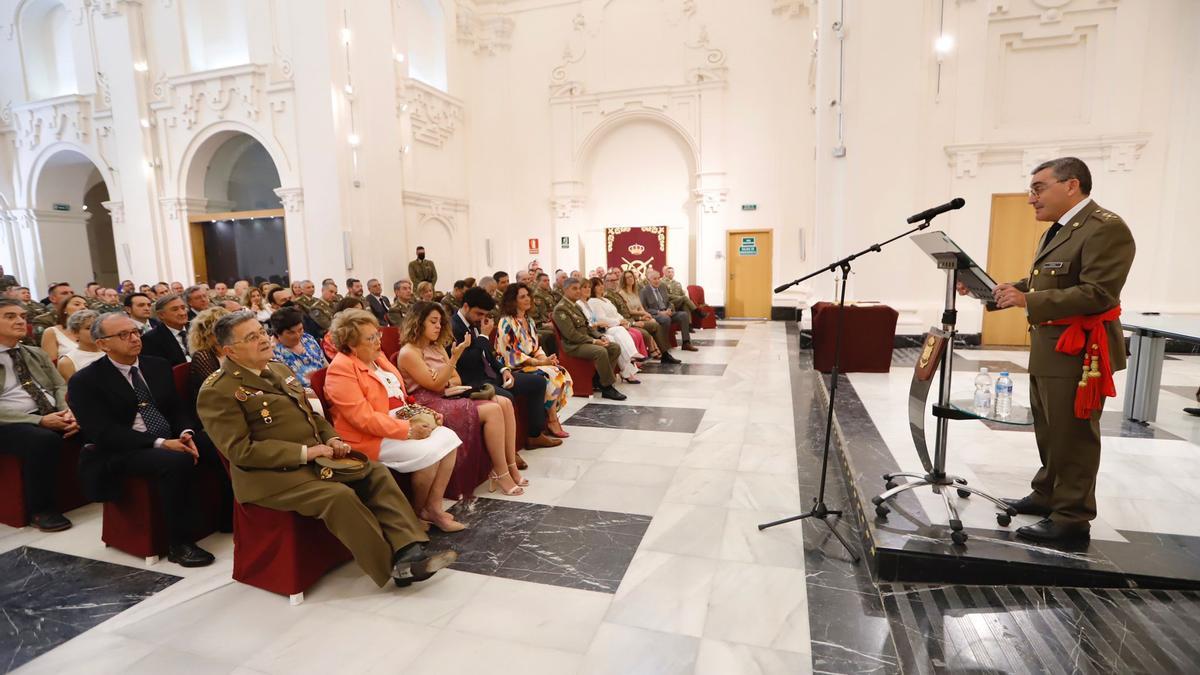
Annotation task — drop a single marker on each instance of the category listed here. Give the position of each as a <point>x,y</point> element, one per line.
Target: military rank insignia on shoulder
<point>216,375</point>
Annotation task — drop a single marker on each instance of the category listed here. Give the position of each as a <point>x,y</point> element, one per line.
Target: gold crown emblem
<point>637,249</point>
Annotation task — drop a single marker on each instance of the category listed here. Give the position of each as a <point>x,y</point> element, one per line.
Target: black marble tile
<point>48,598</point>
<point>1112,425</point>
<point>640,417</point>
<point>554,545</point>
<point>710,369</point>
<point>714,342</point>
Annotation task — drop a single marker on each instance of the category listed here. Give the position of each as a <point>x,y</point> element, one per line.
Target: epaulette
<point>216,375</point>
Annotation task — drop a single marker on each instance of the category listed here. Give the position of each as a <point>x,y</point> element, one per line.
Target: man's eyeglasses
<point>255,337</point>
<point>125,335</point>
<point>1037,189</point>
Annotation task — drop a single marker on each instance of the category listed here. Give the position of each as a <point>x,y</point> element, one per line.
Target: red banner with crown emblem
<point>636,248</point>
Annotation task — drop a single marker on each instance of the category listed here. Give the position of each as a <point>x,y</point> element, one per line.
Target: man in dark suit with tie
<point>1075,282</point>
<point>657,302</point>
<point>127,406</point>
<point>479,365</point>
<point>168,340</point>
<point>379,304</point>
<point>34,418</point>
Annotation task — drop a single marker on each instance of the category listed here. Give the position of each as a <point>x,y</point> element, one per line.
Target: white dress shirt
<point>14,397</point>
<point>138,423</point>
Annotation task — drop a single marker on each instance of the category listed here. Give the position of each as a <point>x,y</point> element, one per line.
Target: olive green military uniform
<point>650,329</point>
<point>577,340</point>
<point>451,303</point>
<point>1079,272</point>
<point>322,313</point>
<point>422,270</point>
<point>397,311</point>
<point>677,296</point>
<point>542,313</point>
<point>304,301</point>
<point>40,317</point>
<point>262,422</point>
<point>105,308</point>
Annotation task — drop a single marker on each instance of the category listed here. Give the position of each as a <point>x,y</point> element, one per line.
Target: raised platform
<point>913,543</point>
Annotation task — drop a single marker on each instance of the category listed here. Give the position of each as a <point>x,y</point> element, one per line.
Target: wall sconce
<point>346,35</point>
<point>354,140</point>
<point>943,45</point>
<point>141,66</point>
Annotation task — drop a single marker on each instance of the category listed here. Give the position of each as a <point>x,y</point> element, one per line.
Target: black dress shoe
<point>610,392</point>
<point>413,565</point>
<point>1192,411</point>
<point>1027,507</point>
<point>1049,531</point>
<point>189,555</point>
<point>667,358</point>
<point>50,522</point>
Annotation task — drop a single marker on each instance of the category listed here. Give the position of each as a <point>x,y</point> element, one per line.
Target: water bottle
<point>983,393</point>
<point>1003,395</point>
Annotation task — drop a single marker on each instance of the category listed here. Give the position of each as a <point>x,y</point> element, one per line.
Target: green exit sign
<point>62,207</point>
<point>749,207</point>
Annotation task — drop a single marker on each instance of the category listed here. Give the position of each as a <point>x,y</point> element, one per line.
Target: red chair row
<point>709,320</point>
<point>12,499</point>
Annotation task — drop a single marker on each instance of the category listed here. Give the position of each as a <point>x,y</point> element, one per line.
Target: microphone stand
<point>819,509</point>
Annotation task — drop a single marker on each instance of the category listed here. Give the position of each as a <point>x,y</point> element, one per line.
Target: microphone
<point>929,214</point>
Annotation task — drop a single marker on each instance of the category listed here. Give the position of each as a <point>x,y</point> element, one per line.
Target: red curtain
<point>636,248</point>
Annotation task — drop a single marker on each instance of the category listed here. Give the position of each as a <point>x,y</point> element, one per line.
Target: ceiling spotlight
<point>944,44</point>
<point>349,89</point>
<point>346,35</point>
<point>141,66</point>
<point>84,207</point>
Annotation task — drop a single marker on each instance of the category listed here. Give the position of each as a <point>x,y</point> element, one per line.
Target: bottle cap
<point>1004,373</point>
<point>983,370</point>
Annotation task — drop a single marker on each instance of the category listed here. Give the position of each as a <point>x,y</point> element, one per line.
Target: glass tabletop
<point>1018,417</point>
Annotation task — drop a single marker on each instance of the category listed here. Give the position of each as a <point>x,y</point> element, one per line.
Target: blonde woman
<point>202,342</point>
<point>425,291</point>
<point>80,325</point>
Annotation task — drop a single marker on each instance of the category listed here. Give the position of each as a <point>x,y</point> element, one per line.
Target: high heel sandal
<point>524,481</point>
<point>494,480</point>
<point>561,433</point>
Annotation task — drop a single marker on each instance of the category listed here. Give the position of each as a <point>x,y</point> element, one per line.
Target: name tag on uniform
<point>1052,266</point>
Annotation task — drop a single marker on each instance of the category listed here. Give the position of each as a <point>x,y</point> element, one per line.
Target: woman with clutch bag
<point>430,374</point>
<point>364,392</point>
<point>517,344</point>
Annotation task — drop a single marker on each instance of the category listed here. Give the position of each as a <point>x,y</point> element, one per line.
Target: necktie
<point>183,339</point>
<point>151,416</point>
<point>44,405</point>
<point>1051,233</point>
<point>487,364</point>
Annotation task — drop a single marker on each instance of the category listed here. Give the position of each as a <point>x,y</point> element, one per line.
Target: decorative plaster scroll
<point>1119,152</point>
<point>177,209</point>
<point>117,211</point>
<point>789,8</point>
<point>53,119</point>
<point>566,207</point>
<point>712,68</point>
<point>434,114</point>
<point>434,207</point>
<point>221,93</point>
<point>103,91</point>
<point>711,199</point>
<point>112,8</point>
<point>485,33</point>
<point>291,198</point>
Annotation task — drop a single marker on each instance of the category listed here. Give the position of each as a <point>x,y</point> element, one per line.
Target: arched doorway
<point>241,234</point>
<point>74,228</point>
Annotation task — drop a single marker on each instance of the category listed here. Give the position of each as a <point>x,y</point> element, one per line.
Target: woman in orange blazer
<point>361,387</point>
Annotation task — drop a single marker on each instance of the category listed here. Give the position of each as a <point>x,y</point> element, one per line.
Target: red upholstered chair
<point>12,497</point>
<point>521,413</point>
<point>389,342</point>
<point>134,522</point>
<point>696,293</point>
<point>869,333</point>
<point>182,374</point>
<point>316,382</point>
<point>581,370</point>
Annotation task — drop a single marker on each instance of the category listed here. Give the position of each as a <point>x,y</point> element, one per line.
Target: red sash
<point>1097,381</point>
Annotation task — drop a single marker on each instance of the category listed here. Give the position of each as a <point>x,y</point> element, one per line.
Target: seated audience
<point>203,344</point>
<point>625,297</point>
<point>140,308</point>
<point>519,347</point>
<point>87,352</point>
<point>58,292</point>
<point>402,301</point>
<point>253,300</point>
<point>59,339</point>
<point>428,371</point>
<point>293,347</point>
<point>321,309</point>
<point>197,300</point>
<point>480,366</point>
<point>177,288</point>
<point>34,418</point>
<point>168,340</point>
<point>655,301</point>
<point>127,407</point>
<point>453,299</point>
<point>469,282</point>
<point>609,316</point>
<point>361,388</point>
<point>425,291</point>
<point>611,328</point>
<point>270,460</point>
<point>348,302</point>
<point>542,312</point>
<point>584,342</point>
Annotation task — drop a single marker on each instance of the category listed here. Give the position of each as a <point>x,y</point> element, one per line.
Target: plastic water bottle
<point>983,392</point>
<point>1003,395</point>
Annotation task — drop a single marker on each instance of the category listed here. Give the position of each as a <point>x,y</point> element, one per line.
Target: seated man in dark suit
<point>34,418</point>
<point>377,303</point>
<point>128,407</point>
<point>655,299</point>
<point>479,365</point>
<point>168,340</point>
<point>197,300</point>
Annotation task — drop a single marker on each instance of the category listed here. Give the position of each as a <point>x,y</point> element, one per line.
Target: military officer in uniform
<point>542,313</point>
<point>1078,272</point>
<point>321,310</point>
<point>676,294</point>
<point>422,270</point>
<point>454,299</point>
<point>584,342</point>
<point>402,301</point>
<point>651,330</point>
<point>258,415</point>
<point>337,297</point>
<point>307,295</point>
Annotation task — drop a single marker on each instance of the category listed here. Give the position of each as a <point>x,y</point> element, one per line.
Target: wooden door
<point>1012,242</point>
<point>199,259</point>
<point>748,274</point>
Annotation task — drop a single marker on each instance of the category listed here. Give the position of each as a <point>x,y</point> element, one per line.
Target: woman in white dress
<point>253,301</point>
<point>80,325</point>
<point>614,331</point>
<point>363,390</point>
<point>58,339</point>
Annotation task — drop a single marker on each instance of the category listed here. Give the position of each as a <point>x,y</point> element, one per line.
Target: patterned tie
<point>151,416</point>
<point>183,339</point>
<point>44,405</point>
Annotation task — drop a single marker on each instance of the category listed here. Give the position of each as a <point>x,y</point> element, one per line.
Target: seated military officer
<point>259,417</point>
<point>583,342</point>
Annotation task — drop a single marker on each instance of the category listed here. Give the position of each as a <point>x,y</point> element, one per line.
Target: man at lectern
<point>1072,298</point>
